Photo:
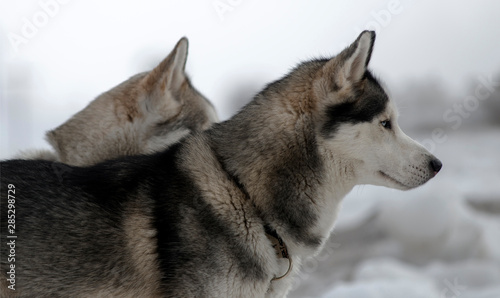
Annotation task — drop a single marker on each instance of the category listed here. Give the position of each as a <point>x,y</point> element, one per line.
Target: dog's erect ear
<point>169,74</point>
<point>177,73</point>
<point>355,66</point>
<point>350,65</point>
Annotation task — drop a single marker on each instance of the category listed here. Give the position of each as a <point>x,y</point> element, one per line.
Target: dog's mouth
<point>394,180</point>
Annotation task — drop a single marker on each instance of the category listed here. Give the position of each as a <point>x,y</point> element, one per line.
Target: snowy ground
<point>440,240</point>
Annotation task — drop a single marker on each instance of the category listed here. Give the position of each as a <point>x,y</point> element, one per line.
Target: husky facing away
<point>144,114</point>
<point>208,216</point>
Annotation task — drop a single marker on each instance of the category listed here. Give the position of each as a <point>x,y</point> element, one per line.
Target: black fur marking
<point>362,107</point>
<point>57,220</point>
<point>292,186</point>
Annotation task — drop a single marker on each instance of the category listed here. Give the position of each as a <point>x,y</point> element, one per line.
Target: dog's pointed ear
<point>351,64</point>
<point>177,75</point>
<point>355,66</point>
<point>169,74</point>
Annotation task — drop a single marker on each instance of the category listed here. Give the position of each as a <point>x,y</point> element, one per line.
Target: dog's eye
<point>386,124</point>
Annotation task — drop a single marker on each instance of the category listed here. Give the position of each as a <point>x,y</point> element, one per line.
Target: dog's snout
<point>436,165</point>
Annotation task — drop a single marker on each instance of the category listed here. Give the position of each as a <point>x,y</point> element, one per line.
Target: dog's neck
<point>288,183</point>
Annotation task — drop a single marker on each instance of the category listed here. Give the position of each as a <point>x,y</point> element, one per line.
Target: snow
<point>439,240</point>
<point>384,288</point>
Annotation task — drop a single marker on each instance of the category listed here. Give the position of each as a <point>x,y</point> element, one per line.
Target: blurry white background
<point>440,60</point>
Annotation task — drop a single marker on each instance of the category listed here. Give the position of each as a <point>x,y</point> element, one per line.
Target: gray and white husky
<point>228,212</point>
<point>144,114</point>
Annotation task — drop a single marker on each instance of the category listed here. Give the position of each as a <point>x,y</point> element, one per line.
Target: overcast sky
<point>55,57</point>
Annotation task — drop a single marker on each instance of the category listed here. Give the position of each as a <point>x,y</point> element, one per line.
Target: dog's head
<point>305,140</point>
<point>354,121</point>
<point>358,123</point>
<point>144,114</point>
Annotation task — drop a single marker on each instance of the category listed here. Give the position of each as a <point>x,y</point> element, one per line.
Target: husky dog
<point>144,114</point>
<point>228,212</point>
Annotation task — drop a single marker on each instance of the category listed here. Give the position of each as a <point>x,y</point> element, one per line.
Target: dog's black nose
<point>436,165</point>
